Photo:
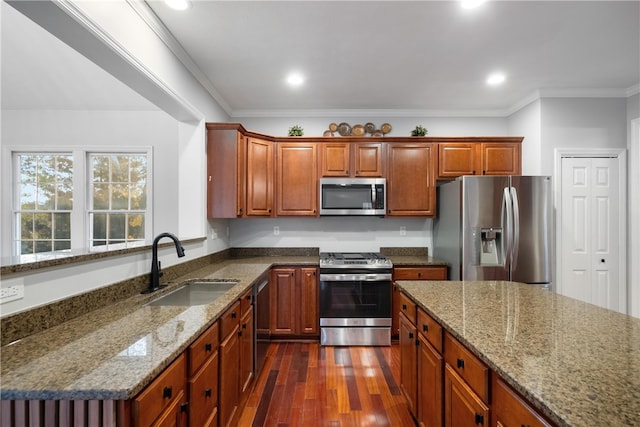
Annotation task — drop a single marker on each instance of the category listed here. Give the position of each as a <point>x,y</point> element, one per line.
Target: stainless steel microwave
<point>353,196</point>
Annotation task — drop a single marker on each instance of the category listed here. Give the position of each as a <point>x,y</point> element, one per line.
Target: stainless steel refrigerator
<point>496,228</point>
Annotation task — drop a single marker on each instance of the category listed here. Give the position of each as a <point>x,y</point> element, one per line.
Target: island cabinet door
<point>508,409</point>
<point>430,384</point>
<point>408,358</point>
<point>463,408</point>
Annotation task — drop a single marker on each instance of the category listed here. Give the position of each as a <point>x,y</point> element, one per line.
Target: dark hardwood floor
<point>305,384</point>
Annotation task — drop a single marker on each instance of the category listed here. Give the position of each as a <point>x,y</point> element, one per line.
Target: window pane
<point>138,196</point>
<point>28,196</point>
<point>116,227</point>
<point>46,196</point>
<point>61,245</point>
<point>26,247</point>
<point>99,226</point>
<point>101,196</point>
<point>136,227</point>
<point>46,169</point>
<point>43,246</point>
<point>64,168</point>
<point>65,195</point>
<point>26,225</point>
<point>138,167</point>
<point>100,169</point>
<point>119,169</point>
<point>42,226</point>
<point>28,166</point>
<point>62,226</point>
<point>120,197</point>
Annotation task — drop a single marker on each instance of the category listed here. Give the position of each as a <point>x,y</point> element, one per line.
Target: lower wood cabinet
<point>204,364</point>
<point>508,409</point>
<point>408,366</point>
<point>294,302</point>
<point>430,380</point>
<point>463,408</point>
<point>229,365</point>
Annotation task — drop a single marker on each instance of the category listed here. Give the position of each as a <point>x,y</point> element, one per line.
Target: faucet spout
<point>156,271</point>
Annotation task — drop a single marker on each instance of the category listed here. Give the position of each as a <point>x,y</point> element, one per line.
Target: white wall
<point>526,122</point>
<point>401,126</point>
<point>332,233</point>
<point>633,118</point>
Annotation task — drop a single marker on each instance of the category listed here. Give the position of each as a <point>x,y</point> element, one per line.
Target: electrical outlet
<point>403,231</point>
<point>276,230</point>
<point>11,293</point>
<point>214,234</point>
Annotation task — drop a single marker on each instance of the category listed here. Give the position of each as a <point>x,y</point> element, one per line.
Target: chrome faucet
<point>156,271</point>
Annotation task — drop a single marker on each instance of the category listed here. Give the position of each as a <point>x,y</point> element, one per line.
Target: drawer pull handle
<point>411,335</point>
<point>207,392</point>
<point>419,274</point>
<point>479,419</point>
<point>233,315</point>
<point>166,393</point>
<point>244,326</point>
<point>425,328</point>
<point>207,347</point>
<point>404,306</point>
<point>184,407</point>
<point>460,363</point>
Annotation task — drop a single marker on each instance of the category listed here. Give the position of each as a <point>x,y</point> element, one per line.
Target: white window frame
<point>80,227</point>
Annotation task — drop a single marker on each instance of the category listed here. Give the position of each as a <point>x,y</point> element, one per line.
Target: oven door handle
<point>345,277</point>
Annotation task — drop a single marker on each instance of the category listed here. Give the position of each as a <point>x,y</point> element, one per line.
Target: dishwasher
<point>263,333</point>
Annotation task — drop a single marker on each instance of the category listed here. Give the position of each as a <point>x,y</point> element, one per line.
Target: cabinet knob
<point>207,347</point>
<point>166,393</point>
<point>207,392</point>
<point>411,335</point>
<point>184,407</point>
<point>460,363</point>
<point>233,315</point>
<point>425,328</point>
<point>419,274</point>
<point>244,326</point>
<point>404,306</point>
<point>479,419</point>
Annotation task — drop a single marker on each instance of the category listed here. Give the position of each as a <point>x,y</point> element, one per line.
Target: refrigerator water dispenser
<point>491,246</point>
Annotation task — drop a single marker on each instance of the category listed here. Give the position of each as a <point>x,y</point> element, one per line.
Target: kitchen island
<point>576,363</point>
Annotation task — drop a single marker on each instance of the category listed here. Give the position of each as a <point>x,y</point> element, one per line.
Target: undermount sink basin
<point>194,293</point>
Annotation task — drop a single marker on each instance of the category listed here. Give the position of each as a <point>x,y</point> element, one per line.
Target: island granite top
<point>576,363</point>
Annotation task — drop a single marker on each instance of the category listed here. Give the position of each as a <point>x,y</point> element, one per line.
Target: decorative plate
<point>369,127</point>
<point>327,133</point>
<point>333,127</point>
<point>358,130</point>
<point>385,128</point>
<point>344,129</point>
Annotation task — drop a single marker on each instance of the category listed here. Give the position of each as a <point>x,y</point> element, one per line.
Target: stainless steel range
<point>355,299</point>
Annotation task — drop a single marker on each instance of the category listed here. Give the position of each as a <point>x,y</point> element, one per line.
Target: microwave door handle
<point>373,194</point>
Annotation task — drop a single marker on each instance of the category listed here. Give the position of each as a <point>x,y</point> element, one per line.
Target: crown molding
<point>367,113</point>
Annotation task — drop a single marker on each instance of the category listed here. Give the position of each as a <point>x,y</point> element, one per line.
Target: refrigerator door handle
<point>516,228</point>
<point>507,218</point>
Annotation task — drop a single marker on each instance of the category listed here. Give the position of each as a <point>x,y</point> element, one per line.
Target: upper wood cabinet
<point>260,175</point>
<point>346,159</point>
<point>226,172</point>
<point>296,179</point>
<point>411,186</point>
<point>471,158</point>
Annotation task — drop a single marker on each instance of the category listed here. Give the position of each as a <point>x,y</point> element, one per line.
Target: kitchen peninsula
<point>576,364</point>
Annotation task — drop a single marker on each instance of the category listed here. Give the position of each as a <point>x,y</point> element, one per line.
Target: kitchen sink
<point>195,293</point>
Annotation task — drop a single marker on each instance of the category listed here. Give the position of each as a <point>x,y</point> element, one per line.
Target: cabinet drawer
<point>468,366</point>
<point>245,302</point>
<point>203,347</point>
<point>420,273</point>
<point>430,329</point>
<point>408,307</point>
<point>230,320</point>
<point>509,409</point>
<point>203,395</point>
<point>158,395</point>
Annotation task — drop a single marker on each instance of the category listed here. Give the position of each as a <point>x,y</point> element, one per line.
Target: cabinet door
<point>501,159</point>
<point>297,179</point>
<point>229,377</point>
<point>225,177</point>
<point>430,384</point>
<point>367,159</point>
<point>246,351</point>
<point>283,301</point>
<point>308,303</point>
<point>335,159</point>
<point>408,366</point>
<point>203,394</point>
<point>260,177</point>
<point>410,180</point>
<point>510,410</point>
<point>457,159</point>
<point>175,415</point>
<point>463,408</point>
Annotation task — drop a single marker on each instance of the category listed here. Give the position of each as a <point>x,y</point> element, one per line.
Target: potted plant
<point>296,130</point>
<point>419,131</point>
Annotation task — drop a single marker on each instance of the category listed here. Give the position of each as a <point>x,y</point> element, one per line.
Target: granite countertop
<point>576,363</point>
<point>114,352</point>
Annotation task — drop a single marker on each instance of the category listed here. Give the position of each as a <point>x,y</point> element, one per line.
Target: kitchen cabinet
<point>297,179</point>
<point>229,397</point>
<point>226,171</point>
<point>408,337</point>
<point>352,159</point>
<point>508,409</point>
<point>411,186</point>
<point>294,302</point>
<point>487,158</point>
<point>203,378</point>
<point>260,177</point>
<point>430,371</point>
<point>431,272</point>
<point>164,401</point>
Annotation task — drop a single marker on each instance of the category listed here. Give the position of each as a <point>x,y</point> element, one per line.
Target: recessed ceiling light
<point>471,4</point>
<point>178,4</point>
<point>295,79</point>
<point>495,79</point>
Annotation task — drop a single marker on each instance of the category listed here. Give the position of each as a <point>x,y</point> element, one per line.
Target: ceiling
<point>394,57</point>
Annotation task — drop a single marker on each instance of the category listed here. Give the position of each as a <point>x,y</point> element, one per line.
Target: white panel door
<point>589,233</point>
